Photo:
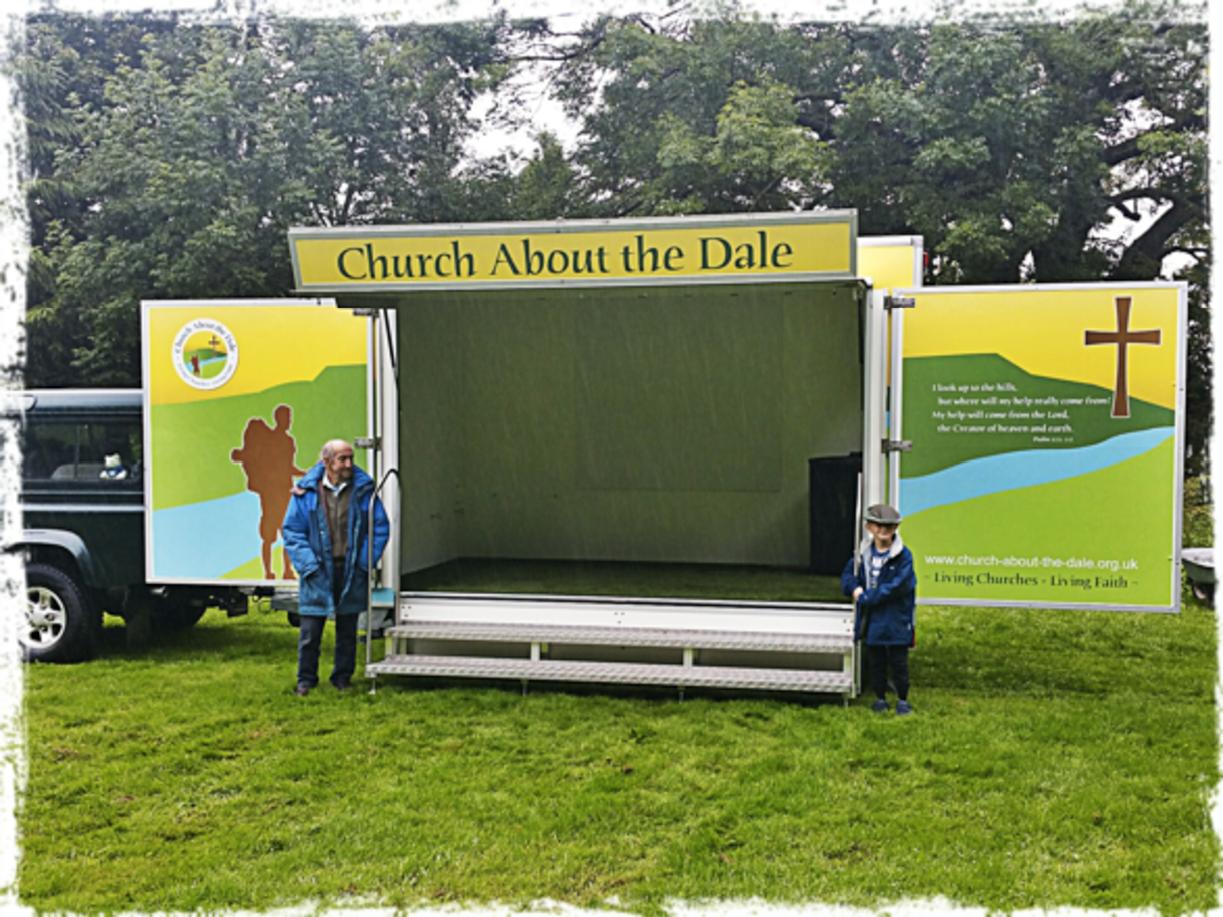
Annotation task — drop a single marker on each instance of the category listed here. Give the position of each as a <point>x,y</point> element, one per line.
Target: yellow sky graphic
<point>203,340</point>
<point>276,344</point>
<point>889,267</point>
<point>1042,331</point>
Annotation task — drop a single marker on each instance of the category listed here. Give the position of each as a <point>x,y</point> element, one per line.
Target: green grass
<point>1056,758</point>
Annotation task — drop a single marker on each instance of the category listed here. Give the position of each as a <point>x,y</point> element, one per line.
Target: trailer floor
<point>649,580</point>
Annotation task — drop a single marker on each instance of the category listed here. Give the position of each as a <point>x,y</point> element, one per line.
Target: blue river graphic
<point>207,540</point>
<point>993,474</point>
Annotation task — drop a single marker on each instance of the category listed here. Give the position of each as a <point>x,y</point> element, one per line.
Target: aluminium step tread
<point>620,636</point>
<point>696,676</point>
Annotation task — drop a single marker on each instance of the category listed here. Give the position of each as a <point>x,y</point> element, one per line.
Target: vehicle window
<point>47,446</point>
<point>58,450</point>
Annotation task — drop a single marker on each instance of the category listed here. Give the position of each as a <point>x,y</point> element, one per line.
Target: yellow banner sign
<point>786,246</point>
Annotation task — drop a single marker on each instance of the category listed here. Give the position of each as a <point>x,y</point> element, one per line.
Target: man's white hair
<point>331,447</point>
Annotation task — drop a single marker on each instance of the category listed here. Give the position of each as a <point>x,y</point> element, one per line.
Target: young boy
<point>884,589</point>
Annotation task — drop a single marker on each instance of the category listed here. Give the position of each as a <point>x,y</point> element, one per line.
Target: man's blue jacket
<point>308,541</point>
<point>885,613</point>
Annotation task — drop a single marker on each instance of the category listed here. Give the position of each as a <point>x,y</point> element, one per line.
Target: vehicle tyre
<point>294,618</point>
<point>61,622</point>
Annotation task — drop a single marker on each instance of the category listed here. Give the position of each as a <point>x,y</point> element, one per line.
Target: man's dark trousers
<point>311,638</point>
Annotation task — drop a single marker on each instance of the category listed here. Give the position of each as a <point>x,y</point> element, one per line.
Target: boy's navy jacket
<point>886,610</point>
<point>308,541</point>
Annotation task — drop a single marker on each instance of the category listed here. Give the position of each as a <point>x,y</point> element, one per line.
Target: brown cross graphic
<point>213,341</point>
<point>1122,337</point>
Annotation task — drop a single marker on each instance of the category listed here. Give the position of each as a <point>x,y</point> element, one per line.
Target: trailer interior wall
<point>668,423</point>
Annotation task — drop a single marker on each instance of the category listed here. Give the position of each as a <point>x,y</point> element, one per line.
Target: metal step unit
<point>769,646</point>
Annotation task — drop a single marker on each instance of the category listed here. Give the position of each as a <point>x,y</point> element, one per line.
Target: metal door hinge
<point>367,442</point>
<point>897,445</point>
<point>899,302</point>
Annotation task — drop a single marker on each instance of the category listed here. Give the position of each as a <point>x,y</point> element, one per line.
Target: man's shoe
<point>302,689</point>
<point>880,706</point>
<point>342,685</point>
<point>903,707</point>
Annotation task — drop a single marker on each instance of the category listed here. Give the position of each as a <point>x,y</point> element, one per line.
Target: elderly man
<point>327,536</point>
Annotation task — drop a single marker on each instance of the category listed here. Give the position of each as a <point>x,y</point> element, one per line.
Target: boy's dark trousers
<point>882,658</point>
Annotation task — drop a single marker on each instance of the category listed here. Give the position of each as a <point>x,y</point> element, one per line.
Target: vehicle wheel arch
<point>65,550</point>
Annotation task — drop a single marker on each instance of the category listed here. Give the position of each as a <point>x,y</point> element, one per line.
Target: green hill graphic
<point>204,353</point>
<point>192,442</point>
<point>1085,409</point>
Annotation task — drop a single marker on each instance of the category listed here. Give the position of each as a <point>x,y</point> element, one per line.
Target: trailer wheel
<point>60,621</point>
<point>172,614</point>
<point>294,618</point>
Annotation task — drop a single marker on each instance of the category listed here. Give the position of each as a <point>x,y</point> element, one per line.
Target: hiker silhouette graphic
<point>268,458</point>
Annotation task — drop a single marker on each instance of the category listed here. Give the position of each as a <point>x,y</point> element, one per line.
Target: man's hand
<point>858,593</point>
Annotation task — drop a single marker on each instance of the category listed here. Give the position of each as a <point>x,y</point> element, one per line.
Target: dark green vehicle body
<point>65,501</point>
<point>83,524</point>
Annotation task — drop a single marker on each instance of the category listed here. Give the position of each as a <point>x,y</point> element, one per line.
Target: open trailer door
<point>1047,431</point>
<point>239,398</point>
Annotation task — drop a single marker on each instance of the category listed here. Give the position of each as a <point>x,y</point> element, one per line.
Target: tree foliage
<point>1018,148</point>
<point>1052,152</point>
<point>1009,149</point>
<point>168,162</point>
<point>699,116</point>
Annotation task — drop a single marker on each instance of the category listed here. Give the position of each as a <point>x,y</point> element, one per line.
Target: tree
<point>1014,150</point>
<point>1011,151</point>
<point>685,115</point>
<point>1009,148</point>
<point>178,171</point>
<point>62,72</point>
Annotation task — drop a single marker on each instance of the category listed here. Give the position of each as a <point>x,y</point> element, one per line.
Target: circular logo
<point>205,354</point>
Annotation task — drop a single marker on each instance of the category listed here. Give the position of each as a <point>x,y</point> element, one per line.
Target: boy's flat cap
<point>882,514</point>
